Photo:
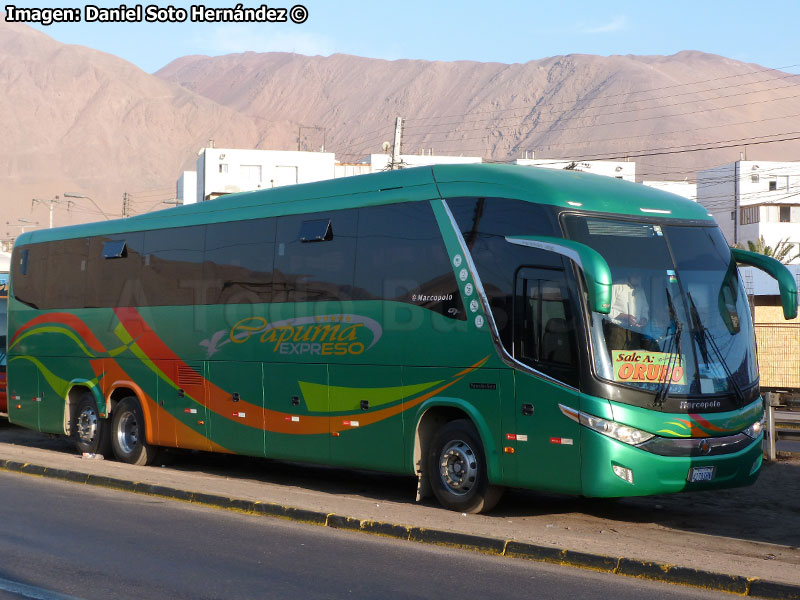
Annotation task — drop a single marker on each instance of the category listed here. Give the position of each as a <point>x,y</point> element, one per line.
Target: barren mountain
<point>575,106</point>
<point>81,121</point>
<point>78,120</point>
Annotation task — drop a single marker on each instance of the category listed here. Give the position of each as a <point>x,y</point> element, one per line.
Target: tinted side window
<point>172,270</point>
<point>544,326</point>
<point>402,257</point>
<point>115,281</point>
<point>484,223</point>
<point>29,272</point>
<point>238,261</point>
<point>69,260</point>
<point>309,271</point>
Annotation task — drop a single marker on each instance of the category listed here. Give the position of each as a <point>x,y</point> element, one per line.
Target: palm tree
<point>779,252</point>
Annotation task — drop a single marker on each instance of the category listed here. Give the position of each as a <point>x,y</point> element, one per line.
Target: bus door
<point>547,445</point>
<point>236,413</point>
<point>296,399</point>
<point>366,416</point>
<point>23,393</point>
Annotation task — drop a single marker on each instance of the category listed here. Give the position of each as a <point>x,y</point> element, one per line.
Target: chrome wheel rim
<point>86,426</point>
<point>127,433</point>
<point>458,467</point>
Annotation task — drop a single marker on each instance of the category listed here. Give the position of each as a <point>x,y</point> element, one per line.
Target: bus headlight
<point>623,433</point>
<point>755,429</point>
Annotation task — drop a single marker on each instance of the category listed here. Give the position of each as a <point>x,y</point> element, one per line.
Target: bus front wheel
<point>457,469</point>
<point>128,434</point>
<point>89,430</point>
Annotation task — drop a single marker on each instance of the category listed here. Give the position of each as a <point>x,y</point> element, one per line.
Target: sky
<point>507,32</point>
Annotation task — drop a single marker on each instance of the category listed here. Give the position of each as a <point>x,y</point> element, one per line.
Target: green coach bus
<point>480,326</point>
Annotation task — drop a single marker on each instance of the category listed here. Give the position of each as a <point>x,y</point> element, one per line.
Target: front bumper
<point>655,474</point>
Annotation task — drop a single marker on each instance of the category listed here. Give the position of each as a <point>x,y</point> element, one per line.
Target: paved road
<point>92,543</point>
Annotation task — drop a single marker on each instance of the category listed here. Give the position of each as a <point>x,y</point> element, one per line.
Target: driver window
<point>545,329</point>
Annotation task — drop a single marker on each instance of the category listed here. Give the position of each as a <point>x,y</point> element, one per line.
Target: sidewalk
<point>749,533</point>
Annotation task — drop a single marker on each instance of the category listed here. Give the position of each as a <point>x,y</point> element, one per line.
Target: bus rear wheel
<point>457,469</point>
<point>128,438</point>
<point>89,430</point>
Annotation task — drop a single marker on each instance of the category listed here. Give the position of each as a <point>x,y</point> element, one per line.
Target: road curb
<point>653,571</point>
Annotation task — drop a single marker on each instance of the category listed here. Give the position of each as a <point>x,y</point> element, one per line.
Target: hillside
<point>79,120</point>
<point>575,106</point>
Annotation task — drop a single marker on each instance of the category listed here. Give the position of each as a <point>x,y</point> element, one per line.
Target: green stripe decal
<point>330,398</point>
<point>60,386</point>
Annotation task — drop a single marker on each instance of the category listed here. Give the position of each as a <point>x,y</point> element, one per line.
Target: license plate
<point>701,474</point>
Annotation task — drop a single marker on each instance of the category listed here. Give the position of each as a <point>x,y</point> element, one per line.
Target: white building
<point>381,162</point>
<point>750,199</point>
<point>611,168</point>
<point>228,170</point>
<point>680,188</point>
<point>186,188</point>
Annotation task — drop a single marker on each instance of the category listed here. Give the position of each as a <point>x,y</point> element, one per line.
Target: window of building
<point>223,168</point>
<point>786,215</point>
<point>773,185</point>
<point>749,215</point>
<point>250,172</point>
<point>754,178</point>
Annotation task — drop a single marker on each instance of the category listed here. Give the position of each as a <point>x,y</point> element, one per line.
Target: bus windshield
<point>679,315</point>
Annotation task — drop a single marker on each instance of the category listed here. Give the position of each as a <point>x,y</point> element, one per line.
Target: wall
<point>380,162</point>
<point>230,170</point>
<point>716,191</point>
<point>186,187</point>
<point>680,188</point>
<point>621,169</point>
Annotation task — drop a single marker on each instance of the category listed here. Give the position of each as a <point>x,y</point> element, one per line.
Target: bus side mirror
<point>591,262</point>
<point>777,271</point>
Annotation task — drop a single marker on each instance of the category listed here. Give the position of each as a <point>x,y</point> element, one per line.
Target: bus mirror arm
<point>778,271</point>
<point>594,267</point>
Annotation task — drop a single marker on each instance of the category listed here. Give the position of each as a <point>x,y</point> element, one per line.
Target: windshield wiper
<point>674,344</point>
<point>702,330</point>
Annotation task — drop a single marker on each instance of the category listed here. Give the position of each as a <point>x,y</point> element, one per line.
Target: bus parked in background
<point>479,326</point>
<point>5,262</point>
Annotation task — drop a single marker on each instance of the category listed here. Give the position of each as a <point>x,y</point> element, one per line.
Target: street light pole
<point>74,195</point>
<point>52,204</point>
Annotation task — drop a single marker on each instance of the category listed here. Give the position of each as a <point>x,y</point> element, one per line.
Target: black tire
<point>128,436</point>
<point>89,430</point>
<point>457,469</point>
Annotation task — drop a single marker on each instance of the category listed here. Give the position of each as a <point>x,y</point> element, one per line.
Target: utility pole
<point>398,135</point>
<point>52,204</point>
